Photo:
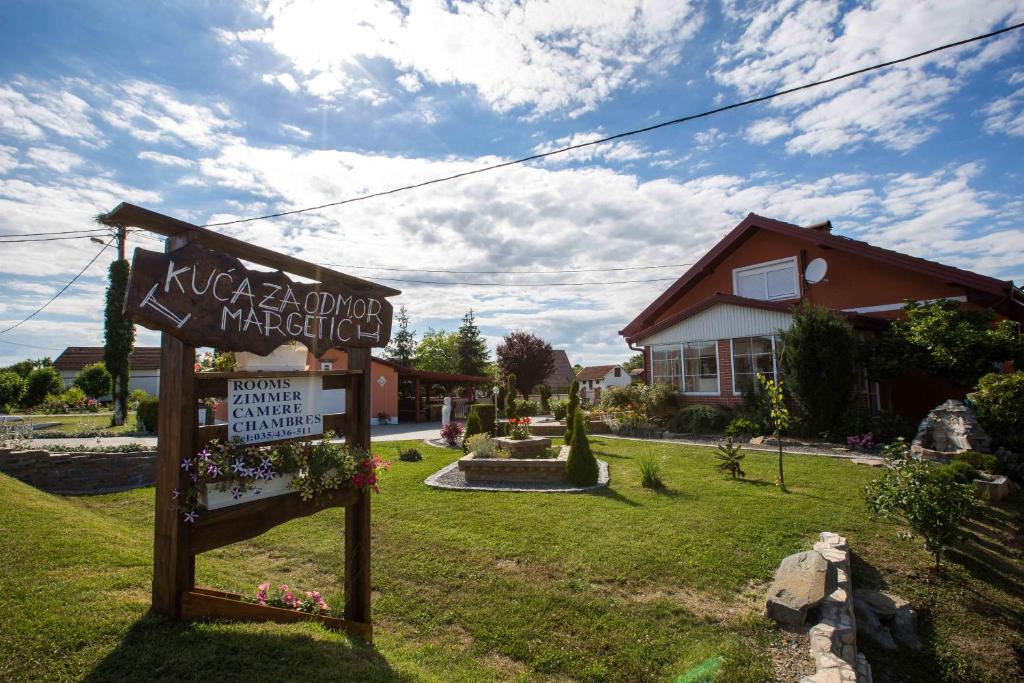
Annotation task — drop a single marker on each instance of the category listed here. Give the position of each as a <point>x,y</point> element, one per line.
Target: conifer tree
<point>473,354</point>
<point>510,396</point>
<point>473,426</point>
<point>570,414</point>
<point>402,348</point>
<point>581,467</point>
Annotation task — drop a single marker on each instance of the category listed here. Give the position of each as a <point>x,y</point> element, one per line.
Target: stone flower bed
<point>514,469</point>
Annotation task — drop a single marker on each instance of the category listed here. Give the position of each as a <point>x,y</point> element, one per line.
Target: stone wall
<point>80,473</point>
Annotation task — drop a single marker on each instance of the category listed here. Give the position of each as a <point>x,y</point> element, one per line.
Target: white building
<point>145,366</point>
<point>597,378</point>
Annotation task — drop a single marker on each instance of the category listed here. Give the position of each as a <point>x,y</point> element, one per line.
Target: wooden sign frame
<point>175,542</point>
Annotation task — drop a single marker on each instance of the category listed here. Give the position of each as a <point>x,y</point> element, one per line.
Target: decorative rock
<point>949,429</point>
<point>886,617</point>
<point>798,586</point>
<point>883,604</point>
<point>868,624</point>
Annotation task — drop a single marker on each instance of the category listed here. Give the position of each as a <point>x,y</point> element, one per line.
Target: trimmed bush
<point>487,415</point>
<point>41,383</point>
<point>510,396</point>
<point>410,455</point>
<point>472,427</point>
<point>741,426</point>
<point>999,402</point>
<point>146,415</point>
<point>94,380</point>
<point>560,408</point>
<point>545,398</point>
<point>526,408</point>
<point>979,461</point>
<point>570,415</point>
<point>12,388</point>
<point>581,467</point>
<point>700,418</point>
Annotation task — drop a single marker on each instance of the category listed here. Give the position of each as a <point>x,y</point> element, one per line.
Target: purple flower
<point>194,477</point>
<point>191,517</point>
<point>213,470</point>
<point>236,493</point>
<point>175,493</point>
<point>266,464</point>
<point>238,466</point>
<point>204,454</point>
<point>186,464</point>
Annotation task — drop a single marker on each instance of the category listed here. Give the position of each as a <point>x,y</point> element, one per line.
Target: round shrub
<point>526,408</point>
<point>999,402</point>
<point>741,426</point>
<point>41,383</point>
<point>12,388</point>
<point>700,418</point>
<point>559,408</point>
<point>410,455</point>
<point>94,380</point>
<point>146,415</point>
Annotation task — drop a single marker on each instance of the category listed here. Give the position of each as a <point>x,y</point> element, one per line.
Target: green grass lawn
<point>79,422</point>
<point>627,585</point>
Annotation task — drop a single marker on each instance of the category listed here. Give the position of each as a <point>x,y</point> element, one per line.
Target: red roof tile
<point>77,357</point>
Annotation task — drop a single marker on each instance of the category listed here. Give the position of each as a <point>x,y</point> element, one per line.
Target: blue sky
<point>214,111</point>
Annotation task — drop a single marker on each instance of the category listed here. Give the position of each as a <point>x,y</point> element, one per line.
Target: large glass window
<point>750,356</point>
<point>767,281</point>
<point>667,366</point>
<point>700,367</point>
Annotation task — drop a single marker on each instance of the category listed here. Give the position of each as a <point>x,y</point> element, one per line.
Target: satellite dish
<point>815,271</point>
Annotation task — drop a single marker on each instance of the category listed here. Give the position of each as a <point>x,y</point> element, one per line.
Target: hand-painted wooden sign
<point>207,298</point>
<point>274,408</point>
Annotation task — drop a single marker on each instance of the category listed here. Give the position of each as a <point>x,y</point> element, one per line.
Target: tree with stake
<point>118,338</point>
<point>779,416</point>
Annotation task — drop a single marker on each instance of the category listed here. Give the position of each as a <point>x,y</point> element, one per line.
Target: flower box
<point>212,498</point>
<point>518,470</point>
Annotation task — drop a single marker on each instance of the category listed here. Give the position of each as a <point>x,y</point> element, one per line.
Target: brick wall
<point>80,473</point>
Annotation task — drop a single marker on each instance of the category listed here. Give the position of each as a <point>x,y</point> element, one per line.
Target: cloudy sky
<point>215,111</point>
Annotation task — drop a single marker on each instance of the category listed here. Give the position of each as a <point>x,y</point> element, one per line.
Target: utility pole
<point>119,334</point>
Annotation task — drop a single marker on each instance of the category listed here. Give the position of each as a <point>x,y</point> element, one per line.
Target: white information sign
<point>272,408</point>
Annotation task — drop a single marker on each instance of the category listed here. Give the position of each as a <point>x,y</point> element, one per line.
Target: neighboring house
<point>407,393</point>
<point>145,365</point>
<point>717,326</point>
<point>636,375</point>
<point>597,378</point>
<point>562,376</point>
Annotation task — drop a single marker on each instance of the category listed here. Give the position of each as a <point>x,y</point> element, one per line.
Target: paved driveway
<point>399,432</point>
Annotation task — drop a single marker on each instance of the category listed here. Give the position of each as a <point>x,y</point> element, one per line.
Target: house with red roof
<point>598,378</point>
<point>718,325</point>
<point>144,364</point>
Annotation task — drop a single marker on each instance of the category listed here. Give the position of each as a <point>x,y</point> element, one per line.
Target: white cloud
<point>765,130</point>
<point>295,131</point>
<point>30,110</point>
<point>55,158</point>
<point>798,41</point>
<point>286,80</point>
<point>153,113</point>
<point>706,139</point>
<point>618,150</point>
<point>8,158</point>
<point>165,159</point>
<point>1006,114</point>
<point>553,55</point>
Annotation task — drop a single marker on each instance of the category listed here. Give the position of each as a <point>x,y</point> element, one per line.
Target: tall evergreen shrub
<point>510,397</point>
<point>486,413</point>
<point>472,427</point>
<point>581,467</point>
<point>570,416</point>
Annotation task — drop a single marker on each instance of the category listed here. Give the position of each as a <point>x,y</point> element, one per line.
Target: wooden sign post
<point>199,293</point>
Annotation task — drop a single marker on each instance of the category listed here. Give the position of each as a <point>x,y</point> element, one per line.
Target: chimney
<point>821,227</point>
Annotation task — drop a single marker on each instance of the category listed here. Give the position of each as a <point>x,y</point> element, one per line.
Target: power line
<point>62,289</point>
<point>46,239</point>
<point>59,232</point>
<point>636,131</point>
<point>30,346</point>
<point>508,272</point>
<point>529,284</point>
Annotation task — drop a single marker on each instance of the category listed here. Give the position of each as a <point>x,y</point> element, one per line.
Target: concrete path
<point>400,432</point>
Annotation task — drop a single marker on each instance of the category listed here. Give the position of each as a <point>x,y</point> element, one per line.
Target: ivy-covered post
<point>118,339</point>
<point>779,416</point>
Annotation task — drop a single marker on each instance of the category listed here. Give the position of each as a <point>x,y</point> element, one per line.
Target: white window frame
<point>765,268</point>
<point>718,369</point>
<point>732,358</point>
<point>669,347</point>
